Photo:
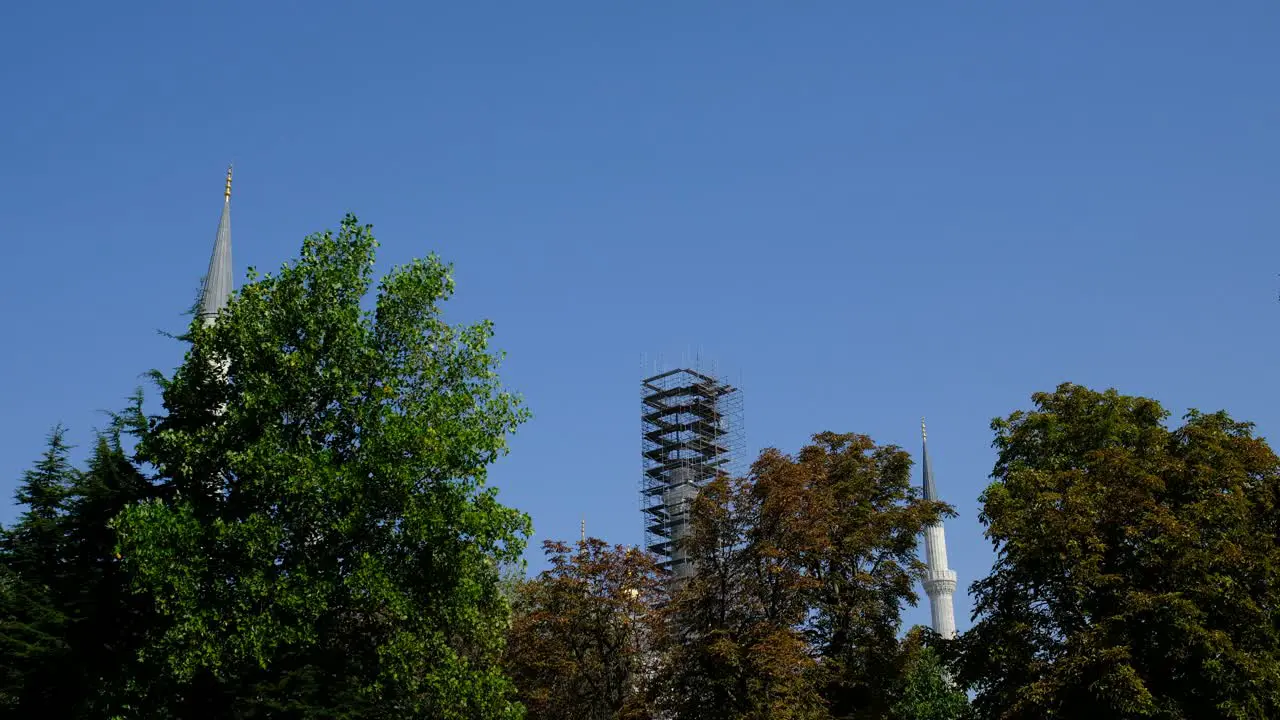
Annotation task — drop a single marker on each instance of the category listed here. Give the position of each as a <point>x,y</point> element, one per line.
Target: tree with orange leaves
<point>863,521</point>
<point>581,633</point>
<point>803,568</point>
<point>732,646</point>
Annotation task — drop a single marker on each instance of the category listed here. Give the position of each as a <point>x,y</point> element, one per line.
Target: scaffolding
<point>691,425</point>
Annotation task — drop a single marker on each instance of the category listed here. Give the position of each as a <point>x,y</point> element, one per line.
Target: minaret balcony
<point>940,581</point>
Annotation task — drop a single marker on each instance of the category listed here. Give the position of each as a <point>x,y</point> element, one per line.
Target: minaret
<point>217,283</point>
<point>939,580</point>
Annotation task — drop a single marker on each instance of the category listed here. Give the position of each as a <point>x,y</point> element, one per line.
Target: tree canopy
<point>1136,565</point>
<point>322,506</point>
<point>925,690</point>
<point>803,568</point>
<point>303,530</point>
<point>69,623</point>
<point>583,631</point>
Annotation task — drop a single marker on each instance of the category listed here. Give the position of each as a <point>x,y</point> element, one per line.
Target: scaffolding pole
<point>691,429</point>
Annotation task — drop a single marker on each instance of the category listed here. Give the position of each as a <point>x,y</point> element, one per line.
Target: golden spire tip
<point>227,194</point>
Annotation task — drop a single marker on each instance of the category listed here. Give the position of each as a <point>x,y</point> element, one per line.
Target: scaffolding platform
<point>691,430</point>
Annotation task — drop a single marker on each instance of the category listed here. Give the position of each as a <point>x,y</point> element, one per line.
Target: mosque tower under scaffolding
<point>691,425</point>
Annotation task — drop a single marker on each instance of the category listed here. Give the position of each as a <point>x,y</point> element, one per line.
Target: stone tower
<point>939,579</point>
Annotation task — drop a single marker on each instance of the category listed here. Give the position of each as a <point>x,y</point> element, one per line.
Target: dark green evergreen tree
<point>109,622</point>
<point>33,582</point>
<point>70,624</point>
<point>34,546</point>
<point>31,636</point>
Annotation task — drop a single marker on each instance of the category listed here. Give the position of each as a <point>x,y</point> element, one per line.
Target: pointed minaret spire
<point>930,492</point>
<point>217,282</point>
<point>939,580</point>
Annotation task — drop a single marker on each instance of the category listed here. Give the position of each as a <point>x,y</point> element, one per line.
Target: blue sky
<point>865,212</point>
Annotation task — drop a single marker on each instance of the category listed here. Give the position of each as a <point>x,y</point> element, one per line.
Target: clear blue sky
<point>868,212</point>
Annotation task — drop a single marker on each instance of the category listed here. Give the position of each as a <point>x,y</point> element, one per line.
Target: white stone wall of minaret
<point>940,582</point>
<point>935,544</point>
<point>940,579</point>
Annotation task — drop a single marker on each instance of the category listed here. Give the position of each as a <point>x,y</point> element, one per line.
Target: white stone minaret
<point>939,579</point>
<point>218,281</point>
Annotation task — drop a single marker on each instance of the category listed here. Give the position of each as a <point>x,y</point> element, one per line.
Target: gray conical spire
<point>217,282</point>
<point>930,492</point>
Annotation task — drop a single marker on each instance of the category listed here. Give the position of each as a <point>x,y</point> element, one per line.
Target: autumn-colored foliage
<point>803,568</point>
<point>582,632</point>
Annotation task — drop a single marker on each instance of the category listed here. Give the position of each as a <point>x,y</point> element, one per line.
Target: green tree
<point>31,637</point>
<point>110,623</point>
<point>582,631</point>
<point>34,546</point>
<point>70,624</point>
<point>926,691</point>
<point>1136,566</point>
<point>323,536</point>
<point>33,582</point>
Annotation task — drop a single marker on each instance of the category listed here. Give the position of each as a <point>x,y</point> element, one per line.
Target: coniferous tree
<point>71,626</point>
<point>34,582</point>
<point>34,546</point>
<point>31,639</point>
<point>110,623</point>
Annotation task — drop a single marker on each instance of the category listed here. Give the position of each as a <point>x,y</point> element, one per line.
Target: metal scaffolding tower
<point>691,426</point>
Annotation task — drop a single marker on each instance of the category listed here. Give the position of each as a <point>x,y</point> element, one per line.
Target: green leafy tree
<point>926,691</point>
<point>324,545</point>
<point>511,576</point>
<point>1136,566</point>
<point>582,632</point>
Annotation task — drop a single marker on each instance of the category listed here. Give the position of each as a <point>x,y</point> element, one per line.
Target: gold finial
<point>924,434</point>
<point>227,194</point>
